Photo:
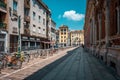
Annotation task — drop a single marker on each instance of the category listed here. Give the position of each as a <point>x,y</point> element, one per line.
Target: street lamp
<point>19,36</point>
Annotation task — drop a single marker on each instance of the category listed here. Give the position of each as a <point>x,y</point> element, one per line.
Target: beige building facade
<point>63,36</point>
<point>77,37</point>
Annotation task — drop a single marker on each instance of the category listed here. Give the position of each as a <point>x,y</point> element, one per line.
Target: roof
<point>64,26</point>
<point>77,31</point>
<point>44,5</point>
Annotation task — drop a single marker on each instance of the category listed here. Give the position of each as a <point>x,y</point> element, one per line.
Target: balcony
<point>15,12</point>
<point>27,4</point>
<point>26,31</point>
<point>3,5</point>
<point>3,26</point>
<point>27,18</point>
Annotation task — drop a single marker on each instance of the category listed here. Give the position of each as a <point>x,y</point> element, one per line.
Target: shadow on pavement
<point>42,72</point>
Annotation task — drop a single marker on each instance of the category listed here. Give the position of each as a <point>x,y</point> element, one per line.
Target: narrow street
<point>76,65</point>
<point>70,64</point>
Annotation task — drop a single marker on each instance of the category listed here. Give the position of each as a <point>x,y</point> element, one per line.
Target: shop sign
<point>25,38</point>
<point>38,39</point>
<point>32,38</point>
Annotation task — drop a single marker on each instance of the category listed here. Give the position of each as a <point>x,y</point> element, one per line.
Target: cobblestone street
<point>76,65</point>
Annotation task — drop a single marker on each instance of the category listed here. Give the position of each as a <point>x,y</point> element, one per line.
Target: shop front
<point>30,43</point>
<point>3,41</point>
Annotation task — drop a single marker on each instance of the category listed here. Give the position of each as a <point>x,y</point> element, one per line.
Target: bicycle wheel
<point>27,58</point>
<point>5,63</point>
<point>1,66</point>
<point>19,64</point>
<point>36,54</point>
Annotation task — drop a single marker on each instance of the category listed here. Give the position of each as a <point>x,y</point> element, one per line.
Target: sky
<point>68,12</point>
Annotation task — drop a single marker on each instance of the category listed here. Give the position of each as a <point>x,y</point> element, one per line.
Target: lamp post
<point>19,36</point>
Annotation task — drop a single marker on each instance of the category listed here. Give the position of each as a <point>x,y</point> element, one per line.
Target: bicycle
<point>17,60</point>
<point>4,58</point>
<point>26,57</point>
<point>36,54</point>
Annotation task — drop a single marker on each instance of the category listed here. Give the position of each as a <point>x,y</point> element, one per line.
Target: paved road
<point>76,65</point>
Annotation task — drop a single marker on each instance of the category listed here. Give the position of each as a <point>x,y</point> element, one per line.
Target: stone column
<point>95,34</point>
<point>107,21</point>
<point>91,32</point>
<point>94,31</point>
<point>100,27</point>
<point>118,20</point>
<point>107,27</point>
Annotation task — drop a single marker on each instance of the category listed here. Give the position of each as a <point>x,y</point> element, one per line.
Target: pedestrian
<point>82,46</point>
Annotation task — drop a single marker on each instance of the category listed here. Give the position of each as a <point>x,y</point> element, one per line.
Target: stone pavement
<point>76,65</point>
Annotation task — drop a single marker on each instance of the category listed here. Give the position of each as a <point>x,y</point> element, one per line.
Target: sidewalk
<point>29,68</point>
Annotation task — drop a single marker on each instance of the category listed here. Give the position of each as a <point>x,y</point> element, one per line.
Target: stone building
<point>102,24</point>
<point>34,23</point>
<point>77,37</point>
<point>57,38</point>
<point>53,34</point>
<point>37,19</point>
<point>3,26</point>
<point>15,9</point>
<point>63,36</point>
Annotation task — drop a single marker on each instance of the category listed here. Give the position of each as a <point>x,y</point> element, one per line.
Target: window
<point>34,28</point>
<point>64,40</point>
<point>39,29</point>
<point>39,18</point>
<point>15,5</point>
<point>64,32</point>
<point>43,21</point>
<point>61,29</point>
<point>34,15</point>
<point>64,29</point>
<point>61,40</point>
<point>61,33</point>
<point>43,29</point>
<point>64,36</point>
<point>33,3</point>
<point>43,11</point>
<point>26,11</point>
<point>61,36</point>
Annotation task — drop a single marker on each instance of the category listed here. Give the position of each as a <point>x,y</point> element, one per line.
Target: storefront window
<point>2,36</point>
<point>2,46</point>
<point>2,42</point>
<point>32,45</point>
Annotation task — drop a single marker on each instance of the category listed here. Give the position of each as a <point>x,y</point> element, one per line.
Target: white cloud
<point>72,15</point>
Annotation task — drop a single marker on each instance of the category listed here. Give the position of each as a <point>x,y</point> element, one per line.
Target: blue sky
<point>68,12</point>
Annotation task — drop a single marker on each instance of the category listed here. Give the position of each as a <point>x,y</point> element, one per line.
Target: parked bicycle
<point>16,61</point>
<point>3,61</point>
